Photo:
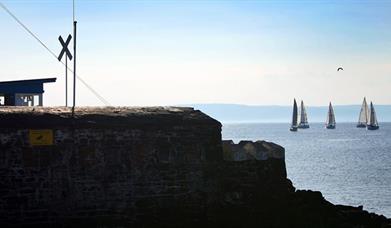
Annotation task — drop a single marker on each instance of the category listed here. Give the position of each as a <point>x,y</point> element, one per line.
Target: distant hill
<point>234,113</point>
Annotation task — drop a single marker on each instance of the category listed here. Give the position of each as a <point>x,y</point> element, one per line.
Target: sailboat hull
<point>361,125</point>
<point>293,129</point>
<point>370,127</point>
<point>303,126</point>
<point>330,126</point>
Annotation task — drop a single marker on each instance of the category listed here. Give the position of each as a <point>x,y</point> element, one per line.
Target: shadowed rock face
<point>248,150</point>
<point>149,167</point>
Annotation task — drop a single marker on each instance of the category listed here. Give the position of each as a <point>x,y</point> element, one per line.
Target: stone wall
<point>127,166</point>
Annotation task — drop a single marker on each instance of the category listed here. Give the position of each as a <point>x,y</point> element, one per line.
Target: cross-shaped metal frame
<point>65,48</point>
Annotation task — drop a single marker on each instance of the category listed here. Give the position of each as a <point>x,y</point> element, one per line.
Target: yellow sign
<point>41,137</point>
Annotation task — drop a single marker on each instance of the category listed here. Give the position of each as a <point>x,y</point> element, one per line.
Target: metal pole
<point>66,81</point>
<point>73,10</point>
<point>74,67</point>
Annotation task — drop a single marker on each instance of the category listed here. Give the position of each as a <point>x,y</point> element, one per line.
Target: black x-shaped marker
<point>65,47</point>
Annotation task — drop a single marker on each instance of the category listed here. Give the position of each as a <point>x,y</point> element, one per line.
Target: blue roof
<point>24,86</point>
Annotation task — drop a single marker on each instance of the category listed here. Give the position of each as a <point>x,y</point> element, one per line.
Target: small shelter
<point>23,92</point>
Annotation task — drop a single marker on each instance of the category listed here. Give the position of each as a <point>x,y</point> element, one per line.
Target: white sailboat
<point>294,117</point>
<point>364,115</point>
<point>372,123</point>
<point>330,121</point>
<point>303,121</point>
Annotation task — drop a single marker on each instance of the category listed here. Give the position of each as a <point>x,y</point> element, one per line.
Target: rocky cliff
<point>148,167</point>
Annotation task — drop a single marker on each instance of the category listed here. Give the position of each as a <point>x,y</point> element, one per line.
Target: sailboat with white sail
<point>303,121</point>
<point>364,115</point>
<point>330,121</point>
<point>372,123</point>
<point>294,117</point>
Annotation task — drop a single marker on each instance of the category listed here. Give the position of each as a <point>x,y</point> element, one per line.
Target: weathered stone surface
<point>100,117</point>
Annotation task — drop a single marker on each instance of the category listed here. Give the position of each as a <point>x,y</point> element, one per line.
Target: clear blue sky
<point>181,52</point>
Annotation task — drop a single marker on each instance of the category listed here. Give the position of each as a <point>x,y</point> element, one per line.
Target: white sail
<point>372,117</point>
<point>294,116</point>
<point>364,114</point>
<point>330,122</point>
<point>303,121</point>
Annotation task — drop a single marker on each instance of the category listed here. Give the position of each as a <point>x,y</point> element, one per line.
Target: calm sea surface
<point>348,165</point>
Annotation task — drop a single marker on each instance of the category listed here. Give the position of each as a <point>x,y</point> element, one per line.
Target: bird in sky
<point>339,68</point>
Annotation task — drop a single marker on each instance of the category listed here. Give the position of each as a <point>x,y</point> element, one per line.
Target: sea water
<point>349,165</point>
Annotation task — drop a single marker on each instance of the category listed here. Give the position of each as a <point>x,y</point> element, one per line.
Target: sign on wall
<point>43,137</point>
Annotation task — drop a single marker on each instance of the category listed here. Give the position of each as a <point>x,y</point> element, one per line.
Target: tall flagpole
<point>73,10</point>
<point>66,80</point>
<point>74,60</point>
<point>74,68</point>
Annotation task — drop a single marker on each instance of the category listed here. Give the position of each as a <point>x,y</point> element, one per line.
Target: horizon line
<point>277,105</point>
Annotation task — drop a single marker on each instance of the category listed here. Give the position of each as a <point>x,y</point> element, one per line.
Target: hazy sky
<point>182,52</point>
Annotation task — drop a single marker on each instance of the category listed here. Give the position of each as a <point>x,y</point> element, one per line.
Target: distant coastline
<point>237,113</point>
